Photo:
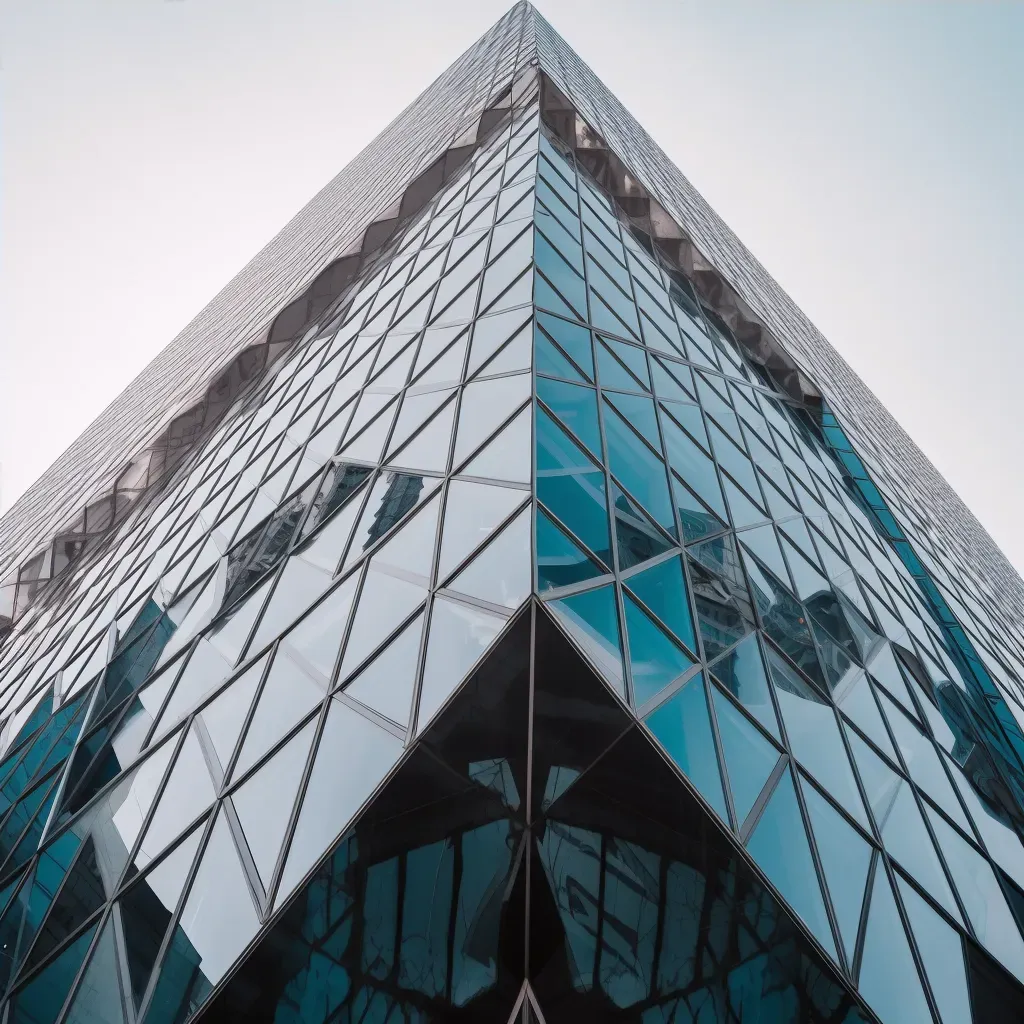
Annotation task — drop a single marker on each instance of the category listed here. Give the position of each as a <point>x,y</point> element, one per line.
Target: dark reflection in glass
<point>338,486</point>
<point>724,610</point>
<point>639,909</point>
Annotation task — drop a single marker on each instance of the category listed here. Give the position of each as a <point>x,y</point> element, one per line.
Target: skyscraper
<point>500,604</point>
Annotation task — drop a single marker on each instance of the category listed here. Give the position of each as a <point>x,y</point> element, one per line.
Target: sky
<point>869,154</point>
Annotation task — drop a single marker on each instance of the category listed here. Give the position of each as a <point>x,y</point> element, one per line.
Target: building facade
<point>501,604</point>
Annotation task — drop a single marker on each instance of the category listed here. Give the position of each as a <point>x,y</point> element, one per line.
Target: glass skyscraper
<point>501,604</point>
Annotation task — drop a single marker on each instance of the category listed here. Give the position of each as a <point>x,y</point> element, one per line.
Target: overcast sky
<point>868,153</point>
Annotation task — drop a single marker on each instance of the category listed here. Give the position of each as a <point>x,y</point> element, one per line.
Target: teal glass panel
<point>676,386</point>
<point>639,412</point>
<point>575,406</point>
<point>765,545</point>
<point>749,757</point>
<point>983,899</point>
<point>549,359</point>
<point>845,860</point>
<point>39,1002</point>
<point>573,339</point>
<point>578,501</point>
<point>888,976</point>
<point>98,999</point>
<point>566,280</point>
<point>742,673</point>
<point>942,951</point>
<point>663,589</point>
<point>694,467</point>
<point>858,704</point>
<point>637,539</point>
<point>742,511</point>
<point>545,297</point>
<point>695,518</point>
<point>779,845</point>
<point>690,418</point>
<point>592,618</point>
<point>560,562</point>
<point>654,660</point>
<point>683,727</point>
<point>814,735</point>
<point>622,366</point>
<point>556,451</point>
<point>639,469</point>
<point>612,372</point>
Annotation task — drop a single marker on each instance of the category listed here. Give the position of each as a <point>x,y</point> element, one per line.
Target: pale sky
<point>868,153</point>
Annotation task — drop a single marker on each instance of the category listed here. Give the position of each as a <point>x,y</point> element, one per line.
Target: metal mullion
<point>746,827</point>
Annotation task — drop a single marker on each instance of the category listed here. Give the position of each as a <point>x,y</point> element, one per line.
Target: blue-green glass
<point>578,501</point>
<point>689,417</point>
<point>639,411</point>
<point>779,845</point>
<point>814,736</point>
<point>676,385</point>
<point>654,660</point>
<point>641,472</point>
<point>983,899</point>
<point>845,860</point>
<point>634,359</point>
<point>858,704</point>
<point>695,518</point>
<point>39,1002</point>
<point>612,373</point>
<point>575,406</point>
<point>549,359</point>
<point>942,951</point>
<point>556,451</point>
<point>98,999</point>
<point>742,673</point>
<point>694,467</point>
<point>663,589</point>
<point>637,539</point>
<point>683,727</point>
<point>545,297</point>
<point>763,543</point>
<point>888,977</point>
<point>749,757</point>
<point>562,276</point>
<point>742,511</point>
<point>560,562</point>
<point>572,338</point>
<point>592,618</point>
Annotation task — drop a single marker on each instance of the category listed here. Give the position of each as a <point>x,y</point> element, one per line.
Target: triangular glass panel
<point>485,405</point>
<point>573,339</point>
<point>764,543</point>
<point>187,791</point>
<point>640,471</point>
<point>845,860</point>
<point>459,634</point>
<point>225,715</point>
<point>663,589</point>
<point>507,457</point>
<point>515,356</point>
<point>288,695</point>
<point>447,368</point>
<point>313,643</point>
<point>369,445</point>
<point>416,410</point>
<point>638,540</point>
<point>217,923</point>
<point>147,908</point>
<point>490,333</point>
<point>749,757</point>
<point>552,361</point>
<point>98,997</point>
<point>639,412</point>
<point>352,757</point>
<point>696,520</point>
<point>429,449</point>
<point>575,408</point>
<point>385,601</point>
<point>743,511</point>
<point>264,801</point>
<point>941,949</point>
<point>779,845</point>
<point>560,562</point>
<point>500,574</point>
<point>695,468</point>
<point>742,673</point>
<point>613,373</point>
<point>814,735</point>
<point>386,685</point>
<point>411,548</point>
<point>683,727</point>
<point>654,659</point>
<point>437,340</point>
<point>858,704</point>
<point>592,620</point>
<point>472,512</point>
<point>888,976</point>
